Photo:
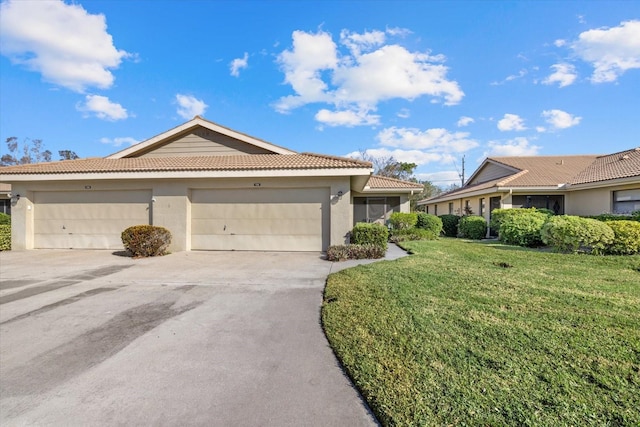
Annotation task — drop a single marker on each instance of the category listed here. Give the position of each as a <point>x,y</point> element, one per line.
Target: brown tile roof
<point>544,170</point>
<point>613,166</point>
<point>382,182</point>
<point>201,163</point>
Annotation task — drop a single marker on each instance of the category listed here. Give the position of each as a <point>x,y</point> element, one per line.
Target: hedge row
<point>5,237</point>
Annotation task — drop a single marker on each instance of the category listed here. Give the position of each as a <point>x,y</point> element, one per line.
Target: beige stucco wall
<point>171,203</point>
<point>593,201</point>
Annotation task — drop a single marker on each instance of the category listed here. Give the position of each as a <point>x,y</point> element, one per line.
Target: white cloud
<point>367,73</point>
<point>103,108</point>
<point>511,122</point>
<point>189,106</point>
<point>611,51</point>
<point>564,74</point>
<point>239,64</point>
<point>404,113</point>
<point>559,119</point>
<point>431,139</point>
<point>464,121</point>
<point>409,156</point>
<point>560,43</point>
<point>117,142</point>
<point>67,45</point>
<point>441,178</point>
<point>512,77</point>
<point>515,147</point>
<point>347,118</point>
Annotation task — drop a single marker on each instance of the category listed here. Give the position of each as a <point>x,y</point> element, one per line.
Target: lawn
<point>467,333</point>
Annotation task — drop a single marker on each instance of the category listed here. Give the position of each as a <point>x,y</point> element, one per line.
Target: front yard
<point>467,333</point>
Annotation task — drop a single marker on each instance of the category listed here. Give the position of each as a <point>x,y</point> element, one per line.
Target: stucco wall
<point>593,201</point>
<point>171,204</point>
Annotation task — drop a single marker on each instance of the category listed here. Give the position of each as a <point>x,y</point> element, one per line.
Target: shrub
<point>5,237</point>
<point>614,217</point>
<point>429,222</point>
<point>450,224</point>
<point>626,239</point>
<point>568,233</point>
<point>496,217</point>
<point>146,240</point>
<point>412,234</point>
<point>364,233</point>
<point>345,252</point>
<point>5,219</point>
<point>402,221</point>
<point>521,226</point>
<point>472,227</point>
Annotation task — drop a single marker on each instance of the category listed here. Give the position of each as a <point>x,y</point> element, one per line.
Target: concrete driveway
<point>192,338</point>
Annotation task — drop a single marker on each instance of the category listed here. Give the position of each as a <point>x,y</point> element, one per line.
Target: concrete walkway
<point>192,338</point>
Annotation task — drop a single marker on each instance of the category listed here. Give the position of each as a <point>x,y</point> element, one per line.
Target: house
<point>572,185</point>
<point>214,188</point>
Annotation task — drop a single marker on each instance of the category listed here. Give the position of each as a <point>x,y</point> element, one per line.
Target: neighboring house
<point>212,187</point>
<point>5,198</point>
<point>573,185</point>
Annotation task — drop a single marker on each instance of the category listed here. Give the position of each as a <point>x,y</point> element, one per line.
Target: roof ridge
<point>326,156</point>
<point>511,177</point>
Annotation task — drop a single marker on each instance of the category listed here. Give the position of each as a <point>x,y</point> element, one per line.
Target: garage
<point>260,219</point>
<point>87,219</point>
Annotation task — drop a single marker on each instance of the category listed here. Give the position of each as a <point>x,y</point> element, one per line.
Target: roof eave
<point>604,183</point>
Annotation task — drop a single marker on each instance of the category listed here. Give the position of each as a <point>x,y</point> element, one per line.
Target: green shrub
<point>345,252</point>
<point>450,224</point>
<point>5,237</point>
<point>615,217</point>
<point>496,217</point>
<point>429,222</point>
<point>626,239</point>
<point>521,226</point>
<point>146,240</point>
<point>5,219</point>
<point>472,227</point>
<point>412,234</point>
<point>364,233</point>
<point>568,233</point>
<point>402,221</point>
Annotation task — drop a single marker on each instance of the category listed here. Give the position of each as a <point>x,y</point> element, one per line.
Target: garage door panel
<point>260,219</point>
<point>263,243</point>
<point>87,220</point>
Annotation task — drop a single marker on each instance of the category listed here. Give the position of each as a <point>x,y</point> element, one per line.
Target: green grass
<point>464,333</point>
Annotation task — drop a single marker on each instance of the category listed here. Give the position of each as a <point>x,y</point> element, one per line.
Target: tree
<point>30,151</point>
<point>428,190</point>
<point>390,167</point>
<point>68,155</point>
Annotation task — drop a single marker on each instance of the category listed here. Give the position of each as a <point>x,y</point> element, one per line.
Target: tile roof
<point>544,170</point>
<point>613,166</point>
<point>553,171</point>
<point>200,163</point>
<point>380,182</point>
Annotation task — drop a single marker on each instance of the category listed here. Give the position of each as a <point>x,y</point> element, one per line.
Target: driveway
<point>192,338</point>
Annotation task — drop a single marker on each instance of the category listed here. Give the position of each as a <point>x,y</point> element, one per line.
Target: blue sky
<point>423,81</point>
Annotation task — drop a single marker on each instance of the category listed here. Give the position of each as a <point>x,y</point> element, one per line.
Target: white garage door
<point>87,219</point>
<point>260,219</point>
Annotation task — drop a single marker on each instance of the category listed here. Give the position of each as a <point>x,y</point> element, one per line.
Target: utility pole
<point>461,175</point>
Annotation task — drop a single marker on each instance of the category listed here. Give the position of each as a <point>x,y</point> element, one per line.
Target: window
<point>467,208</point>
<point>554,203</point>
<point>5,206</point>
<point>374,209</point>
<point>481,207</point>
<point>450,208</point>
<point>427,209</point>
<point>626,201</point>
<point>435,210</point>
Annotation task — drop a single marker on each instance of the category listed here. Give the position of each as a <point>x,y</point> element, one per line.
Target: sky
<point>426,82</point>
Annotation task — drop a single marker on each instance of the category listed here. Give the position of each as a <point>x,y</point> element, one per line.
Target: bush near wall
<point>450,224</point>
<point>472,227</point>
<point>5,219</point>
<point>364,233</point>
<point>403,221</point>
<point>345,252</point>
<point>412,234</point>
<point>520,226</point>
<point>626,239</point>
<point>635,216</point>
<point>429,222</point>
<point>146,240</point>
<point>5,237</point>
<point>567,233</point>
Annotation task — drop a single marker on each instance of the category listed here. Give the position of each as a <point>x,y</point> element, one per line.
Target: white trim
<point>185,174</point>
<point>199,121</point>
